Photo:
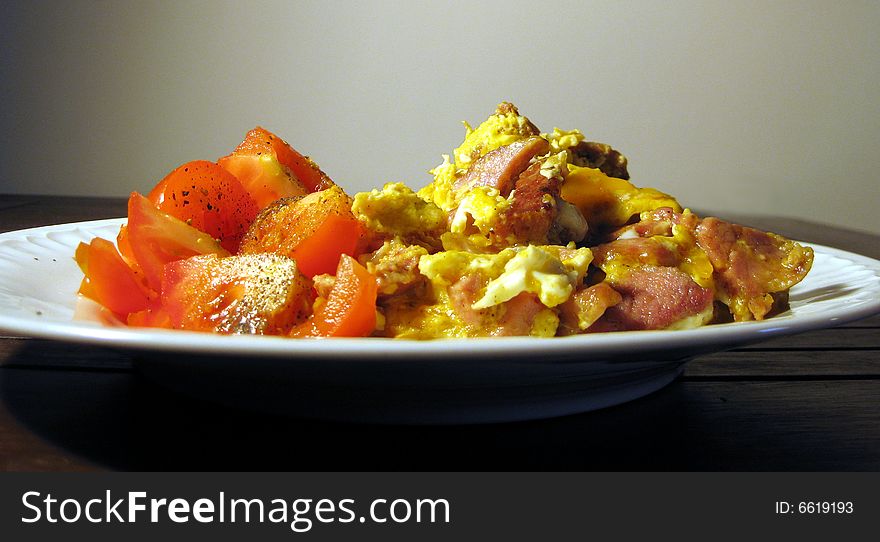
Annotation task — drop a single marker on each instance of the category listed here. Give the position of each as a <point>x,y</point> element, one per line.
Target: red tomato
<point>313,230</point>
<point>124,246</point>
<point>109,280</point>
<point>320,252</point>
<point>209,198</point>
<point>306,170</point>
<point>271,169</point>
<point>255,163</point>
<point>156,238</point>
<point>255,293</point>
<point>350,308</point>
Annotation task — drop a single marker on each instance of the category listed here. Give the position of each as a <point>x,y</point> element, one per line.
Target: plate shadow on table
<point>117,419</point>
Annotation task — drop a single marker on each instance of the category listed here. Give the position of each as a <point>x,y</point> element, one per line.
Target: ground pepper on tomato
<point>157,238</point>
<point>315,230</point>
<point>209,198</point>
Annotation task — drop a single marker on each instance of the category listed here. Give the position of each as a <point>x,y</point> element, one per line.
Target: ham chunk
<point>665,281</point>
<point>586,306</point>
<point>499,168</point>
<point>657,222</point>
<point>752,267</point>
<point>396,267</point>
<point>521,315</point>
<point>656,298</point>
<point>533,211</point>
<point>512,195</point>
<point>637,251</point>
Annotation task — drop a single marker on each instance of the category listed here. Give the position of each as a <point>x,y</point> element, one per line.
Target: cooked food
<point>314,230</point>
<point>518,233</point>
<point>246,293</point>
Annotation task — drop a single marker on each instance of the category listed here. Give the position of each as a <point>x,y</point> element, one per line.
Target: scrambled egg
<point>511,272</point>
<point>506,126</point>
<point>469,279</point>
<point>503,128</point>
<point>479,208</point>
<point>459,257</point>
<point>473,221</point>
<point>398,212</point>
<point>561,140</point>
<point>469,294</point>
<point>537,271</point>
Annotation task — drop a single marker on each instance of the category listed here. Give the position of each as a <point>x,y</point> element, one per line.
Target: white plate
<point>386,380</point>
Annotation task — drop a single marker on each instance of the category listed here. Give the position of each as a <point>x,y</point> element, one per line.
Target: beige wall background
<point>759,107</point>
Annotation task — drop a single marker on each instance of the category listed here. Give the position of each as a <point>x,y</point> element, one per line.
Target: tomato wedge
<point>124,246</point>
<point>109,280</point>
<point>255,163</point>
<point>255,293</point>
<point>313,230</point>
<point>209,198</point>
<point>271,169</point>
<point>156,238</point>
<point>350,307</point>
<point>320,252</point>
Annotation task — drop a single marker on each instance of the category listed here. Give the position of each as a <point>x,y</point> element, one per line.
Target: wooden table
<point>804,403</point>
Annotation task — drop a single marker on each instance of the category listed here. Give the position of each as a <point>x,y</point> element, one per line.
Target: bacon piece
<point>751,266</point>
<point>499,168</point>
<point>655,298</point>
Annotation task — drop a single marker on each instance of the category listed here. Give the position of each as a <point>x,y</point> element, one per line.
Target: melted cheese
<point>607,201</point>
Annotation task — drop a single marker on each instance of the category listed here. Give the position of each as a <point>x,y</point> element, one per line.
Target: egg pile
<point>543,234</point>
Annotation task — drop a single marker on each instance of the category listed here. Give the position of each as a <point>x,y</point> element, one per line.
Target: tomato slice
<point>350,307</point>
<point>313,230</point>
<point>320,252</point>
<point>305,169</point>
<point>209,198</point>
<point>255,163</point>
<point>271,169</point>
<point>156,238</point>
<point>258,293</point>
<point>124,246</point>
<point>109,280</point>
